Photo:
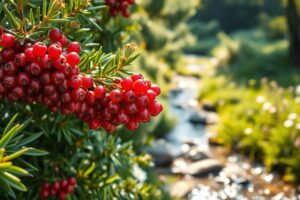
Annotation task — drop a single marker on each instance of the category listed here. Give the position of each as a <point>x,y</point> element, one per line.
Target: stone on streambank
<point>198,168</point>
<point>160,150</point>
<point>205,118</point>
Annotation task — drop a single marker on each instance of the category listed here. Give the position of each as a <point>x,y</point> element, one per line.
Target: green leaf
<point>5,165</point>
<point>18,171</point>
<point>28,140</point>
<point>112,179</point>
<point>13,181</point>
<point>36,152</point>
<point>89,169</point>
<point>15,22</point>
<point>16,154</point>
<point>6,187</point>
<point>10,124</point>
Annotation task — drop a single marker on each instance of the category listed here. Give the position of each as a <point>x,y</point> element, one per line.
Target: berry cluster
<point>49,75</point>
<point>117,6</point>
<point>59,188</point>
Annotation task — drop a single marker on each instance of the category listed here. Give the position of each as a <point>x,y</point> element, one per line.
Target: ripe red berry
<point>56,185</point>
<point>39,49</point>
<point>141,86</point>
<point>74,47</point>
<point>90,98</point>
<point>17,91</point>
<point>99,92</point>
<point>66,97</point>
<point>49,89</point>
<point>7,40</point>
<point>136,76</point>
<point>45,77</point>
<point>78,95</point>
<point>125,12</point>
<point>75,82</point>
<point>63,40</point>
<point>9,81</point>
<point>8,54</point>
<point>60,62</point>
<point>113,108</point>
<point>126,83</point>
<point>156,89</point>
<point>54,51</point>
<point>29,54</point>
<point>115,96</point>
<point>35,69</point>
<point>144,115</point>
<point>63,87</point>
<point>63,183</point>
<point>55,34</point>
<point>57,78</point>
<point>130,2</point>
<point>155,108</point>
<point>132,125</point>
<point>46,62</point>
<point>35,85</point>
<point>23,78</point>
<point>128,96</point>
<point>74,70</point>
<point>117,81</point>
<point>131,109</point>
<point>87,82</point>
<point>45,194</point>
<point>151,95</point>
<point>73,58</point>
<point>20,59</point>
<point>114,11</point>
<point>95,123</point>
<point>122,117</point>
<point>142,101</point>
<point>10,68</point>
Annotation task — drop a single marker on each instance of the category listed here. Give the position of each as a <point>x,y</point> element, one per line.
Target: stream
<point>193,169</point>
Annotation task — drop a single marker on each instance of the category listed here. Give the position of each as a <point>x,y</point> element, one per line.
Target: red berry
<point>126,83</point>
<point>17,91</point>
<point>95,124</point>
<point>60,62</point>
<point>35,69</point>
<point>66,97</point>
<point>46,186</point>
<point>46,62</point>
<point>130,2</point>
<point>63,183</point>
<point>122,117</point>
<point>141,86</point>
<point>131,109</point>
<point>57,78</point>
<point>9,81</point>
<point>55,34</point>
<point>35,85</point>
<point>99,92</point>
<point>8,54</point>
<point>117,81</point>
<point>113,108</point>
<point>115,96</point>
<point>29,54</point>
<point>45,193</point>
<point>125,12</point>
<point>62,195</point>
<point>90,98</point>
<point>7,40</point>
<point>23,78</point>
<point>114,11</point>
<point>142,101</point>
<point>39,49</point>
<point>128,96</point>
<point>75,82</point>
<point>54,51</point>
<point>73,58</point>
<point>45,78</point>
<point>10,68</point>
<point>156,89</point>
<point>17,46</point>
<point>145,115</point>
<point>155,108</point>
<point>49,89</point>
<point>69,189</point>
<point>151,95</point>
<point>63,40</point>
<point>74,70</point>
<point>20,59</point>
<point>78,94</point>
<point>63,87</point>
<point>136,76</point>
<point>87,82</point>
<point>132,125</point>
<point>66,70</point>
<point>74,47</point>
